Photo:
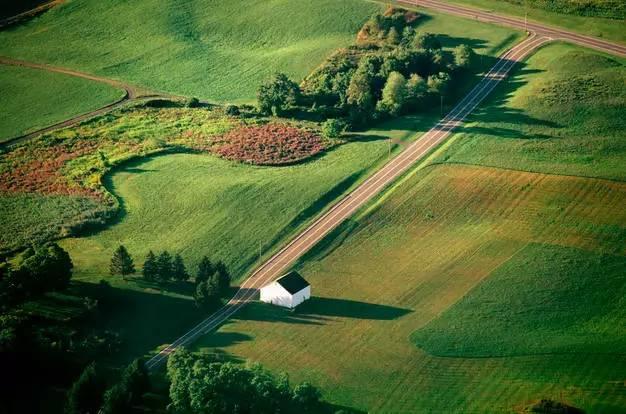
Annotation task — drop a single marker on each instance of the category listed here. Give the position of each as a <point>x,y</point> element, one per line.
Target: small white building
<point>288,291</point>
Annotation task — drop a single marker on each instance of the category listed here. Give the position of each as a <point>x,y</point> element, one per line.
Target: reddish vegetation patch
<point>270,144</point>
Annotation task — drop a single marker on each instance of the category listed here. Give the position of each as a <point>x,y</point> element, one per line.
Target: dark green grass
<point>546,300</point>
<point>562,112</point>
<point>33,99</point>
<point>214,49</point>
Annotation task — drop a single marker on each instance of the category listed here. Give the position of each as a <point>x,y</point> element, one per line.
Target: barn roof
<point>292,282</point>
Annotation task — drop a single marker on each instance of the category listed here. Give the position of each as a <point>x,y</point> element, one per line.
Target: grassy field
<point>562,112</point>
<point>443,233</point>
<point>214,49</point>
<point>33,99</point>
<point>610,29</point>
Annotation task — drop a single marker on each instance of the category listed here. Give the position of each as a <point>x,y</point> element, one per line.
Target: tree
<point>307,398</point>
<point>333,128</point>
<point>135,379</point>
<point>222,278</point>
<point>438,84</point>
<point>464,56</point>
<point>394,94</point>
<point>393,37</point>
<point>207,295</point>
<point>116,401</point>
<point>416,89</point>
<point>205,270</point>
<point>277,94</point>
<point>150,268</point>
<point>121,262</point>
<point>192,103</point>
<point>164,267</point>
<point>425,40</point>
<point>359,95</point>
<point>179,272</point>
<point>85,395</point>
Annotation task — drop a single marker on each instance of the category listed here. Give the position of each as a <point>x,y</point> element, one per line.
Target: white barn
<point>287,291</point>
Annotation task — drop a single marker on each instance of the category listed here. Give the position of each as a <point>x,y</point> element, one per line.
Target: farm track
<point>132,93</point>
<point>347,206</point>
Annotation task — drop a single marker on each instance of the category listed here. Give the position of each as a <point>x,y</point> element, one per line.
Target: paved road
<point>278,263</point>
<point>517,23</point>
<point>131,93</point>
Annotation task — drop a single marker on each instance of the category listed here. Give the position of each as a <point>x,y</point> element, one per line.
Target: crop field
<point>214,49</point>
<point>604,27</point>
<point>562,112</point>
<point>402,276</point>
<point>33,99</point>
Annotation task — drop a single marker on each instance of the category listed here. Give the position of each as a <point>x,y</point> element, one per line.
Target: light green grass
<point>439,234</point>
<point>33,99</point>
<point>215,49</point>
<point>546,299</point>
<point>610,29</point>
<point>562,112</point>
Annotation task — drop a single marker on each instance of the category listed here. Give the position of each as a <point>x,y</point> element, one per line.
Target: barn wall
<point>301,296</point>
<point>276,295</point>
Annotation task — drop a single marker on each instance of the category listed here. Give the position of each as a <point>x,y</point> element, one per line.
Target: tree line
<point>393,69</point>
<point>212,280</point>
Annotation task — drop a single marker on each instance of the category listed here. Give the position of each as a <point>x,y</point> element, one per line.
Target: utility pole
<point>441,111</point>
<point>388,147</point>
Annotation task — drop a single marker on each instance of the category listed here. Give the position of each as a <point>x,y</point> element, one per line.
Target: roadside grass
<point>561,112</point>
<point>610,29</point>
<point>214,49</point>
<point>33,99</point>
<point>441,233</point>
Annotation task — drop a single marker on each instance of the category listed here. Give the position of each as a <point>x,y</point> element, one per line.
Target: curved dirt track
<point>278,263</point>
<point>131,93</point>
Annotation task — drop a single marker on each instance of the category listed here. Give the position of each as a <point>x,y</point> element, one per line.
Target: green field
<point>610,29</point>
<point>439,235</point>
<point>562,112</point>
<point>510,281</point>
<point>33,99</point>
<point>214,49</point>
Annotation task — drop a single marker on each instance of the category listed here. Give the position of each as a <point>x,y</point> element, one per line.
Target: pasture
<point>443,233</point>
<point>33,99</point>
<point>561,112</point>
<point>213,49</point>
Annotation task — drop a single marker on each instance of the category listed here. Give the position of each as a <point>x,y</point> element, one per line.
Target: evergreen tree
<point>179,271</point>
<point>207,295</point>
<point>85,396</point>
<point>116,401</point>
<point>393,37</point>
<point>150,268</point>
<point>205,270</point>
<point>121,262</point>
<point>222,278</point>
<point>164,267</point>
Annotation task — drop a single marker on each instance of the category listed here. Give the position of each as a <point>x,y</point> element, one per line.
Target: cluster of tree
<point>89,394</point>
<point>199,384</point>
<point>163,268</point>
<point>212,283</point>
<point>393,69</point>
<point>33,272</point>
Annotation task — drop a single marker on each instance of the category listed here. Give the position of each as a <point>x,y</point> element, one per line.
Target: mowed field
<point>562,112</point>
<point>214,49</point>
<point>515,237</point>
<point>474,288</point>
<point>33,99</point>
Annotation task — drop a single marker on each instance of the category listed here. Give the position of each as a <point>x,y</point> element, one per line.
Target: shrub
<point>232,110</point>
<point>277,94</point>
<point>333,128</point>
<point>192,103</point>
